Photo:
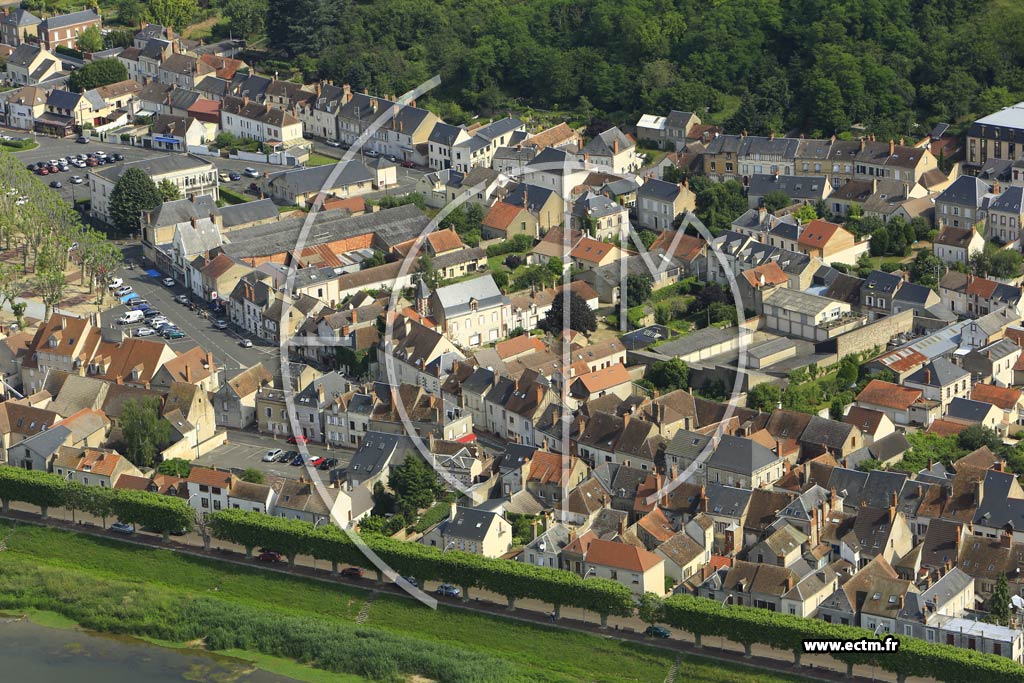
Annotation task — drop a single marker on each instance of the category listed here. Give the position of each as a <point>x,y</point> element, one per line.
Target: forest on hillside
<point>819,66</point>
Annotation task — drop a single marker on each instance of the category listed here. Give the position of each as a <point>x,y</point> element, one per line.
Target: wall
<point>874,334</point>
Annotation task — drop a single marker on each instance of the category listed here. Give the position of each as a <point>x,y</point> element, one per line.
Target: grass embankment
<point>168,597</point>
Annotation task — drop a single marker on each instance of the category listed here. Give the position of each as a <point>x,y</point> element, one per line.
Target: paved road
<point>246,449</point>
<point>818,667</point>
<point>223,344</point>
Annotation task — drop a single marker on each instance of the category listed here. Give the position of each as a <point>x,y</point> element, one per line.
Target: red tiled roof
<point>888,395</point>
<point>818,233</point>
<point>1003,397</point>
<point>981,287</point>
<point>591,250</point>
<point>621,556</point>
<point>204,475</point>
<point>444,240</point>
<point>546,468</point>
<point>687,248</point>
<point>516,346</point>
<point>864,419</point>
<point>501,215</point>
<point>608,377</point>
<point>770,272</point>
<point>945,428</point>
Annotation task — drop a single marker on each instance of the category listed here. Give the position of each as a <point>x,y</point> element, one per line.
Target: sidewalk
<point>816,667</point>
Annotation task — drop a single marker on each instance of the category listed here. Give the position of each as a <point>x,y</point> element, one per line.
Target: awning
<point>153,273</point>
<point>468,438</point>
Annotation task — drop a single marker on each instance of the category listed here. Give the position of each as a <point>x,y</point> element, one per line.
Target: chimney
<point>539,393</point>
<point>245,101</point>
<point>703,498</point>
<point>188,374</point>
<point>579,144</point>
<point>615,146</point>
<point>622,525</point>
<point>862,144</point>
<point>892,513</point>
<point>209,359</point>
<point>625,420</point>
<point>119,380</point>
<point>892,147</point>
<point>451,513</point>
<point>995,187</point>
<point>1006,540</point>
<point>895,499</point>
<point>194,222</point>
<point>772,136</point>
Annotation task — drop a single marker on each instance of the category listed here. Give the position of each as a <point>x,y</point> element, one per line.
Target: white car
<point>115,283</point>
<point>123,291</point>
<point>158,322</point>
<point>245,343</point>
<point>251,172</point>
<point>271,456</point>
<point>76,180</point>
<point>168,281</point>
<point>145,332</point>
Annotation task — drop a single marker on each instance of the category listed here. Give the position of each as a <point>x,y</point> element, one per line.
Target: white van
<point>131,317</point>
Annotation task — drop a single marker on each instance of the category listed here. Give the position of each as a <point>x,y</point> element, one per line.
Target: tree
<point>775,200</point>
<point>837,409</point>
<point>175,467</point>
<point>10,285</point>
<point>999,602</point>
<point>581,316</point>
<point>145,433</point>
<point>97,74</point>
<point>806,213</point>
<point>927,269</point>
<point>253,476</point>
<point>130,13</point>
<point>133,193</point>
<point>846,376</point>
<point>415,484</point>
<point>247,17</point>
<point>650,608</point>
<point>90,40</point>
<point>974,437</point>
<point>668,375</point>
<point>49,281</point>
<point>168,190</point>
<point>638,289</point>
<point>176,14</point>
<point>764,397</point>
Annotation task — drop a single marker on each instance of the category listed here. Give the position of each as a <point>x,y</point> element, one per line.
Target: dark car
<point>352,572</point>
<point>122,528</point>
<point>234,176</point>
<point>296,461</point>
<point>328,464</point>
<point>298,438</point>
<point>449,591</point>
<point>118,157</point>
<point>151,313</point>
<point>30,167</point>
<point>657,632</point>
<point>82,140</point>
<point>287,456</point>
<point>269,556</point>
<point>56,184</point>
<point>411,580</point>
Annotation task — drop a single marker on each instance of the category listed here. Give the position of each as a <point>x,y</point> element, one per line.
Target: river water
<point>35,654</point>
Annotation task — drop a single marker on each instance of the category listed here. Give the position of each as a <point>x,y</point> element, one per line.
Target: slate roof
<point>938,373</point>
<point>454,299</point>
<point>62,20</point>
<point>739,455</point>
<point>795,187</point>
<point>965,191</point>
<point>158,166</point>
<point>313,179</point>
<point>968,410</point>
<point>602,144</point>
<point>659,190</point>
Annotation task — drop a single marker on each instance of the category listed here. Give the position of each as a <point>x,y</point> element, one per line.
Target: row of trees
<point>50,234</point>
<point>151,510</point>
<point>514,580</point>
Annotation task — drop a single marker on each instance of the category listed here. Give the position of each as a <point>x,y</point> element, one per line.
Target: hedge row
<point>511,579</point>
<point>914,657</point>
<point>150,510</point>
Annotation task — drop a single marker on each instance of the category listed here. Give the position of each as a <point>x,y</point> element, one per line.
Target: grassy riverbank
<point>285,624</point>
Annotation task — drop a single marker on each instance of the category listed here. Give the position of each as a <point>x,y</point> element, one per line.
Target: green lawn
<point>536,653</point>
<point>316,159</point>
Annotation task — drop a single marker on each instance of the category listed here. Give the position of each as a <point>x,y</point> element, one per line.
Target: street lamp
<point>451,544</point>
<point>588,573</point>
<point>315,525</point>
<point>725,600</point>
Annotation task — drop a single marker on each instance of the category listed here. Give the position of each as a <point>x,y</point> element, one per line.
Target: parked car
<point>333,143</point>
<point>408,164</point>
<point>152,313</point>
<point>392,158</point>
<point>269,556</point>
<point>158,322</point>
<point>76,180</point>
<point>117,157</point>
<point>297,439</point>
<point>245,343</point>
<point>223,177</point>
<point>56,184</point>
<point>145,332</point>
<point>220,324</point>
<point>287,456</point>
<point>411,580</point>
<point>251,172</point>
<point>297,460</point>
<point>234,176</point>
<point>42,170</point>
<point>122,528</point>
<point>91,163</point>
<point>168,282</point>
<point>273,455</point>
<point>173,333</point>
<point>352,572</point>
<point>82,140</point>
<point>317,461</point>
<point>657,632</point>
<point>448,590</point>
<point>115,283</point>
<point>123,291</point>
<point>181,299</point>
<point>372,153</point>
<point>328,464</point>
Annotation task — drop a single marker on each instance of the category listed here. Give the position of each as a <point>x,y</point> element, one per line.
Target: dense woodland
<point>817,66</point>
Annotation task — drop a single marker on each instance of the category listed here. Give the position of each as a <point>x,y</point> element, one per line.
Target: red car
<point>298,439</point>
<point>408,164</point>
<point>269,556</point>
<point>315,462</point>
<point>43,171</point>
<point>352,573</point>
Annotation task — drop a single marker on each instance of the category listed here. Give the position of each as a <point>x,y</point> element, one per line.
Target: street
<point>223,344</point>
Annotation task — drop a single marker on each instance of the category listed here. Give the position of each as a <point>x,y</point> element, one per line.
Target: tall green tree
<point>581,316</point>
<point>133,193</point>
<point>764,397</point>
<point>177,14</point>
<point>90,40</point>
<point>638,289</point>
<point>96,74</point>
<point>246,17</point>
<point>668,375</point>
<point>415,484</point>
<point>168,190</point>
<point>144,432</point>
<point>999,602</point>
<point>775,200</point>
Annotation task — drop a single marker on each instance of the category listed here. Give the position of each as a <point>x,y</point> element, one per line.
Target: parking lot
<point>246,449</point>
<point>223,344</point>
<point>57,148</point>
